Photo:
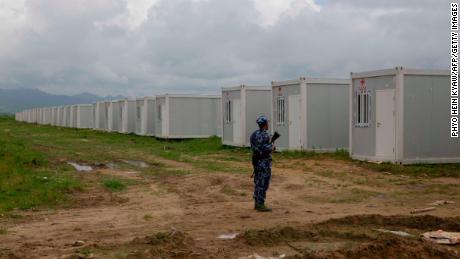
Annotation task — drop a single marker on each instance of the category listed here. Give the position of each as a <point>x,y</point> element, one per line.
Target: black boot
<point>262,208</point>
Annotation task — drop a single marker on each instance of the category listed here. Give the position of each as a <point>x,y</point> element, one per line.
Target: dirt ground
<point>321,209</point>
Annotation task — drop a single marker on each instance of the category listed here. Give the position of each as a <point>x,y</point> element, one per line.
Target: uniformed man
<point>261,149</point>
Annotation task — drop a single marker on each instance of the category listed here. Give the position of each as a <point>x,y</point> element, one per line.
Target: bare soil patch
<point>322,209</point>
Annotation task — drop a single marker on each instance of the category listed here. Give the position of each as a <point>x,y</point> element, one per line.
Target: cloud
<point>147,47</point>
<point>270,11</point>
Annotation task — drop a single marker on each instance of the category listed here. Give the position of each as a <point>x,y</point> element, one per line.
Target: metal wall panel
<point>192,117</point>
<point>85,118</point>
<point>327,116</point>
<point>427,119</point>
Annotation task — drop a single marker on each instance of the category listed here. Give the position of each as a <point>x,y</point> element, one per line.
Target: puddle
<point>80,168</point>
<point>399,233</point>
<point>112,166</point>
<point>227,236</point>
<point>135,163</point>
<point>256,256</point>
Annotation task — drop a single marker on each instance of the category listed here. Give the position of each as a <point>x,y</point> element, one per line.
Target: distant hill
<point>13,100</point>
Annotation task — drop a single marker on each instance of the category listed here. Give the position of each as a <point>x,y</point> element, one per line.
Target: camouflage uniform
<point>261,148</point>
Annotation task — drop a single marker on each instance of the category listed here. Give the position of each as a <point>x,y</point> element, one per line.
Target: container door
<point>236,114</point>
<point>385,124</point>
<point>294,122</point>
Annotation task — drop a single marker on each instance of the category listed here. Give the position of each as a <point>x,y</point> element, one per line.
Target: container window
<point>228,111</point>
<point>280,110</point>
<point>362,109</point>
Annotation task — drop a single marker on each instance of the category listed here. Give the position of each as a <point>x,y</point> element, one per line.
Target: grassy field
<point>140,188</point>
<point>34,169</point>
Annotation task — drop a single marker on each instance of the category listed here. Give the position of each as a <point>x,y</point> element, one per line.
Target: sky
<point>148,47</point>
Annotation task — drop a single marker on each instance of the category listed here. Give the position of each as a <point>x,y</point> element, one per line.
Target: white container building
<point>40,115</point>
<point>402,116</point>
<point>54,115</point>
<point>26,116</point>
<point>114,116</point>
<point>188,116</point>
<point>145,116</point>
<point>85,119</point>
<point>128,116</point>
<point>60,116</point>
<point>36,112</point>
<point>241,106</point>
<point>311,114</point>
<point>73,116</point>
<point>101,115</point>
<point>32,115</point>
<point>47,116</point>
<point>29,116</point>
<point>66,116</point>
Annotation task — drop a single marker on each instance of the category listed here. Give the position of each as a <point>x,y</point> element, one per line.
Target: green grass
<point>355,195</point>
<point>34,173</point>
<point>332,174</point>
<point>228,190</point>
<point>114,185</point>
<point>27,178</point>
<point>339,154</point>
<point>422,170</point>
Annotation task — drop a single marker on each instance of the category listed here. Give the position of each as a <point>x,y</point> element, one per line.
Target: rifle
<point>275,136</point>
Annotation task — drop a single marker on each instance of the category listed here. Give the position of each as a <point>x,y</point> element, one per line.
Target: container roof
<point>248,87</point>
<point>312,80</point>
<point>396,70</point>
<point>188,96</point>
